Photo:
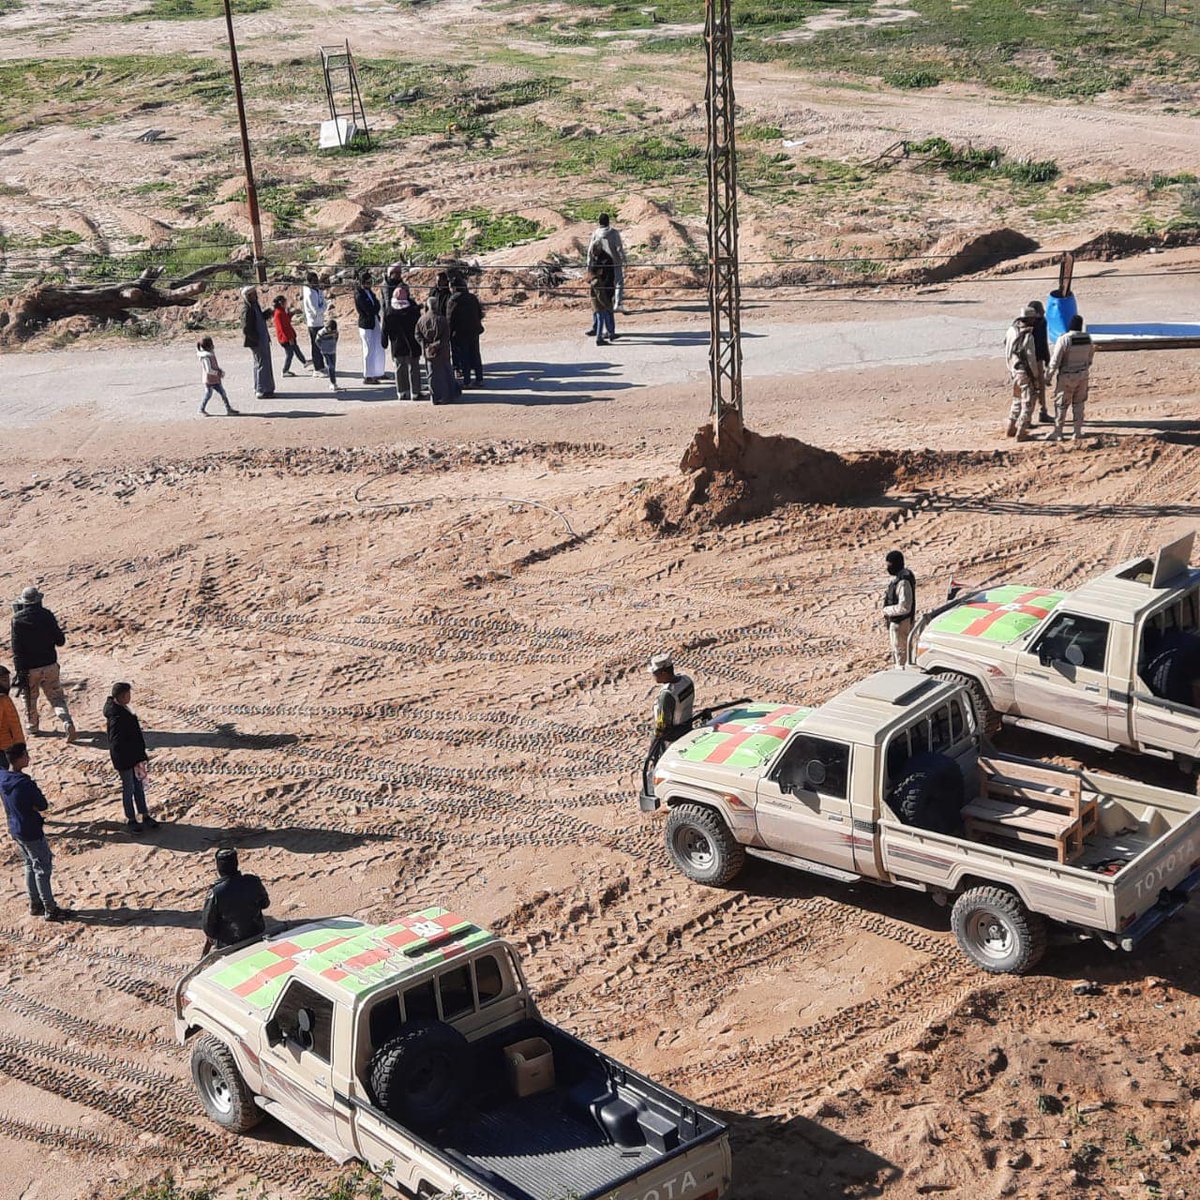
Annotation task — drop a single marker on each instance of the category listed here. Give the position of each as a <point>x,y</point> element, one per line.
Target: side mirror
<point>273,1032</point>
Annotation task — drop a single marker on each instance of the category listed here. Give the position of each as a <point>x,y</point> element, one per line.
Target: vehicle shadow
<point>190,839</point>
<point>225,736</point>
<point>176,918</point>
<point>797,1158</point>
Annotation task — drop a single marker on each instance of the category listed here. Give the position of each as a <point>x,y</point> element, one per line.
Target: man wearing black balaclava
<point>899,606</point>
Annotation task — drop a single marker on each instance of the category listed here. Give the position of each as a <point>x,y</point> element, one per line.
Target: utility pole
<point>724,289</point>
<point>260,266</point>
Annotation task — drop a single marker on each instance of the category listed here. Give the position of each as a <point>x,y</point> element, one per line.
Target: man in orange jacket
<point>11,733</point>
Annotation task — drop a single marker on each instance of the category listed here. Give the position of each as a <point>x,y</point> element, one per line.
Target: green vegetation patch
<point>966,164</point>
<point>473,230</point>
<point>192,10</point>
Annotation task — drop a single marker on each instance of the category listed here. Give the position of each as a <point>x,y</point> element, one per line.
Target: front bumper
<point>1169,903</point>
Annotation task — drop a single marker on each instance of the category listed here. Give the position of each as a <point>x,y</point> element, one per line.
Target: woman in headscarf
<point>433,332</point>
<point>256,339</point>
<point>400,331</point>
<point>370,330</point>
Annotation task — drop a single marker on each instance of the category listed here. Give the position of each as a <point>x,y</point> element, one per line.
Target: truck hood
<point>742,737</point>
<point>1001,614</point>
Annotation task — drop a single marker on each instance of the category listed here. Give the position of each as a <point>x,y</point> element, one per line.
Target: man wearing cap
<point>36,636</point>
<point>899,606</point>
<point>1020,352</point>
<point>24,804</point>
<point>233,909</point>
<point>672,712</point>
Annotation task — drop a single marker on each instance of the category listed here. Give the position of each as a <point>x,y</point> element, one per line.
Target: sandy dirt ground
<point>371,655</point>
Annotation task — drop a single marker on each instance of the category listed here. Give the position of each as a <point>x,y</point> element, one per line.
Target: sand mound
<point>640,208</point>
<point>965,253</point>
<point>722,486</point>
<point>344,216</point>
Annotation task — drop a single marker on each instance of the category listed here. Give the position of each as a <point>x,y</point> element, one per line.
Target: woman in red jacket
<point>285,335</point>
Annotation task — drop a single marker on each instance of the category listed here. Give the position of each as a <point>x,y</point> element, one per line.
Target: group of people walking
<point>1033,363</point>
<point>36,639</point>
<point>434,346</point>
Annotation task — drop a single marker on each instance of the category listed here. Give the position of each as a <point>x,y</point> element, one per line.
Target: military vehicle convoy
<point>416,1048</point>
<point>1113,664</point>
<point>890,782</point>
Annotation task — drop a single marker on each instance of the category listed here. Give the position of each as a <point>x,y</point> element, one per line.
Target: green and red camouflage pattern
<point>1000,614</point>
<point>353,956</point>
<point>745,736</point>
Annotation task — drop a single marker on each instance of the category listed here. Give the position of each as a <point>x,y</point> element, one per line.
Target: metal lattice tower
<point>341,92</point>
<point>724,289</point>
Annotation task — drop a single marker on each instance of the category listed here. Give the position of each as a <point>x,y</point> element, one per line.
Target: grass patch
<point>757,131</point>
<point>586,210</point>
<point>194,10</point>
<point>966,164</point>
<point>203,246</point>
<point>474,231</point>
<point>1158,180</point>
<point>912,78</point>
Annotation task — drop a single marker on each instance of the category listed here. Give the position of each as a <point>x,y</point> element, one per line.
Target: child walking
<point>285,335</point>
<point>211,373</point>
<point>327,341</point>
<point>127,749</point>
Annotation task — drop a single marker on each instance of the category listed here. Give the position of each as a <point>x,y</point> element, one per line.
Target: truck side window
<point>457,997</point>
<point>312,1031</point>
<point>816,765</point>
<point>489,979</point>
<point>940,738</point>
<point>898,754</point>
<point>958,722</point>
<point>1067,630</point>
<point>420,1002</point>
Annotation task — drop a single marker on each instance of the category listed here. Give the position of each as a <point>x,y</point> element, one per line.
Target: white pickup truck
<point>887,782</point>
<point>1113,664</point>
<point>416,1047</point>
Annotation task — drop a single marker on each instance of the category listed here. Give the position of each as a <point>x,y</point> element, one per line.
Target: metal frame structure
<point>724,288</point>
<point>334,61</point>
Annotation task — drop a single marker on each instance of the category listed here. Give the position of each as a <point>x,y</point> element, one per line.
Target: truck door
<point>297,1070</point>
<point>1061,679</point>
<point>803,805</point>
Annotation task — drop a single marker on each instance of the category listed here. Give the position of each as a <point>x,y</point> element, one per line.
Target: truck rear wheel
<point>223,1091</point>
<point>986,717</point>
<point>702,846</point>
<point>931,793</point>
<point>420,1078</point>
<point>997,932</point>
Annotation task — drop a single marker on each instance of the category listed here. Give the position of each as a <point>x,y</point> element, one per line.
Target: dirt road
<point>389,684</point>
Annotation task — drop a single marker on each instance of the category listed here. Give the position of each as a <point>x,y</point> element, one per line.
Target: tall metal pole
<point>260,266</point>
<point>724,289</point>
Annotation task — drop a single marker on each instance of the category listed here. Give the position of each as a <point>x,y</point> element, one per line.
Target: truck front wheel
<point>987,719</point>
<point>997,932</point>
<point>223,1091</point>
<point>702,846</point>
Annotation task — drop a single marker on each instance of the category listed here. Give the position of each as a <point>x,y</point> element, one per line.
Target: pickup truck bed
<point>555,1143</point>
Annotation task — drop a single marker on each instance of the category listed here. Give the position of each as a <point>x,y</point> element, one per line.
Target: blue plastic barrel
<point>1059,311</point>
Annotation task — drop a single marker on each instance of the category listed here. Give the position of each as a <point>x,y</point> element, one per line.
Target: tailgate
<point>699,1171</point>
<point>1161,876</point>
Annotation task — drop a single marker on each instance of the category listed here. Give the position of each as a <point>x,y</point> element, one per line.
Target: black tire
<point>701,845</point>
<point>223,1091</point>
<point>997,932</point>
<point>931,794</point>
<point>421,1077</point>
<point>1172,672</point>
<point>987,719</point>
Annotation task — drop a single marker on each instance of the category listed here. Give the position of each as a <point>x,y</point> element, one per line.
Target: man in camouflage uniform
<point>1041,349</point>
<point>1071,363</point>
<point>1020,353</point>
<point>672,712</point>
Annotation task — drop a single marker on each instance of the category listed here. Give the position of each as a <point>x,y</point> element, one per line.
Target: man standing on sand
<point>606,235</point>
<point>233,909</point>
<point>23,806</point>
<point>36,636</point>
<point>1071,363</point>
<point>1041,347</point>
<point>1021,355</point>
<point>899,606</point>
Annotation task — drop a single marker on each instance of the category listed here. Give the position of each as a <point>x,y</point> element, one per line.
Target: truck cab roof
<point>344,958</point>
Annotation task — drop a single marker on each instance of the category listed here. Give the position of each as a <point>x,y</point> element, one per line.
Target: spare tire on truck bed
<point>1174,668</point>
<point>930,794</point>
<point>421,1076</point>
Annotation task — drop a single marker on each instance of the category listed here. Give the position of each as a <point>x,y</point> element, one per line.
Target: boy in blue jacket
<point>23,806</point>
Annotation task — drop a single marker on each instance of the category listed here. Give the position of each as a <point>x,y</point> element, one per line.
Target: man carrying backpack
<point>608,240</point>
<point>1020,352</point>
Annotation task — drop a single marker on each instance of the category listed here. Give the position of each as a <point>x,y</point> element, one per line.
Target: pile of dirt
<point>724,484</point>
<point>966,253</point>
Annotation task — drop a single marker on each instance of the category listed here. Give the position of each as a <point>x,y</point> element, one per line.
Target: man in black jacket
<point>127,749</point>
<point>465,314</point>
<point>233,910</point>
<point>36,636</point>
<point>899,606</point>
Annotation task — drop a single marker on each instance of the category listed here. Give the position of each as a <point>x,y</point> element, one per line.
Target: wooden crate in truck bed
<point>1034,806</point>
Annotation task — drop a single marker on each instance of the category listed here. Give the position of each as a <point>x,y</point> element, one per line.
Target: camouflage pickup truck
<point>416,1047</point>
<point>1113,664</point>
<point>888,782</point>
